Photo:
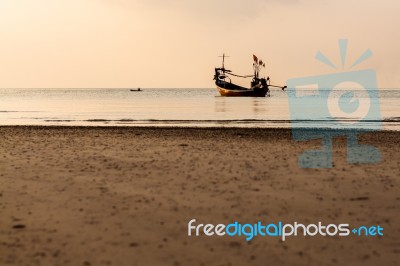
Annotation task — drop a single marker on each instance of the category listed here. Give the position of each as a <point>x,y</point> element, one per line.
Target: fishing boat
<point>259,87</point>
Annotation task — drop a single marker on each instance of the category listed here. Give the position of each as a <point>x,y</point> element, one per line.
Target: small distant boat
<point>259,87</point>
<point>138,89</point>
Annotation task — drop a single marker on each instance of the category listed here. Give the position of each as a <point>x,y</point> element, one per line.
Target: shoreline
<point>164,127</point>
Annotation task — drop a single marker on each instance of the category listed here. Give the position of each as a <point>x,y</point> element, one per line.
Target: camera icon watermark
<point>338,104</point>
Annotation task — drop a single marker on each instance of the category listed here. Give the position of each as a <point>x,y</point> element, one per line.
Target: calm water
<point>160,107</point>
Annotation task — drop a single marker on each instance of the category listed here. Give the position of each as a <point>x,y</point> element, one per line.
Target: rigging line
<point>247,76</point>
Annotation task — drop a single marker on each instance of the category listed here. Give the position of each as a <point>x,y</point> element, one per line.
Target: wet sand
<point>124,196</point>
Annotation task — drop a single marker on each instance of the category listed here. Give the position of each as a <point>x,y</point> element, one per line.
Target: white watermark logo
<point>280,229</point>
<point>346,102</point>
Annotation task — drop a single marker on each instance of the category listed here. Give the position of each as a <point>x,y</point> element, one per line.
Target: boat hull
<point>241,92</point>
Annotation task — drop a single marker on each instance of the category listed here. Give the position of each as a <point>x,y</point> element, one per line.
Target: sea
<point>180,107</point>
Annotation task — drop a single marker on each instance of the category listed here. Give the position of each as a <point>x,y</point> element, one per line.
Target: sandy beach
<point>124,196</point>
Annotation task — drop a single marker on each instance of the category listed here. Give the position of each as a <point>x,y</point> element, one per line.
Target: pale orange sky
<point>176,43</point>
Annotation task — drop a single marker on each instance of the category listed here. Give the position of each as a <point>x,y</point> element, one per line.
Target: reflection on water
<point>259,106</point>
<point>227,104</point>
<point>220,104</point>
<point>160,107</point>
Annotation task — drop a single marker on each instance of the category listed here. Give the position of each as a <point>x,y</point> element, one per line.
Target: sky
<point>176,43</point>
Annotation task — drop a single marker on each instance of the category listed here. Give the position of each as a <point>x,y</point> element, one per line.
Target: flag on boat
<point>255,58</point>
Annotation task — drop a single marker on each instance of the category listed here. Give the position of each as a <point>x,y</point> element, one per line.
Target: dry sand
<point>124,196</point>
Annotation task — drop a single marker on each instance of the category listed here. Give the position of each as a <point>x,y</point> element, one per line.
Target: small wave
<point>5,111</point>
<point>125,120</point>
<point>392,119</point>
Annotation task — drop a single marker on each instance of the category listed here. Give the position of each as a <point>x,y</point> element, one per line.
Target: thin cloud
<point>206,8</point>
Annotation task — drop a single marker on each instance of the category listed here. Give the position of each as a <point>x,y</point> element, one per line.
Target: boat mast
<point>256,69</point>
<point>223,59</point>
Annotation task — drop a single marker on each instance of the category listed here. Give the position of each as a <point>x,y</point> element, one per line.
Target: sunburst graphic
<point>345,100</point>
<point>343,43</point>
